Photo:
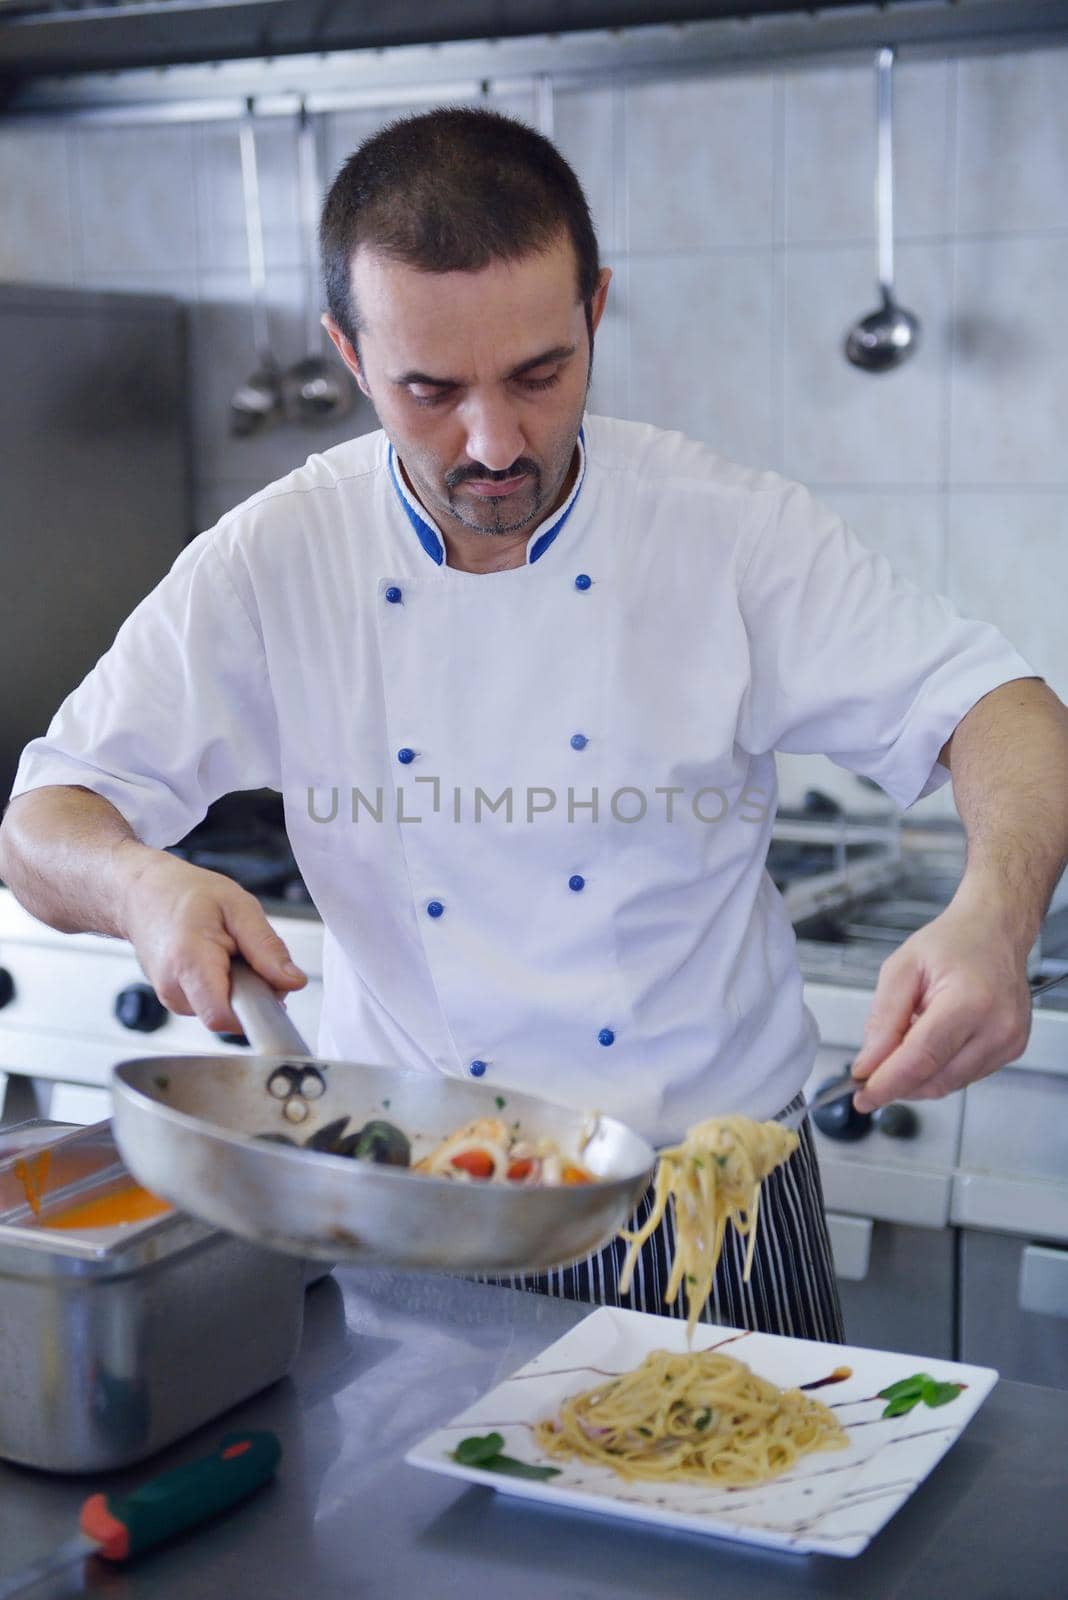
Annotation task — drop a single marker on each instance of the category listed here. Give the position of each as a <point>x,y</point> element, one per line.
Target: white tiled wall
<point>736,212</point>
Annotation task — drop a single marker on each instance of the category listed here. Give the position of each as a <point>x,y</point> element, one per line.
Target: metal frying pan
<point>185,1127</point>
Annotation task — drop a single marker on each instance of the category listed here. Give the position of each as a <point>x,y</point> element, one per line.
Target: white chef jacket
<point>610,939</point>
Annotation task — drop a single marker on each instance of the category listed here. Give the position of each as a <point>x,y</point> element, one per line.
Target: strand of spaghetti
<point>649,1227</point>
<point>712,1178</point>
<point>751,1225</point>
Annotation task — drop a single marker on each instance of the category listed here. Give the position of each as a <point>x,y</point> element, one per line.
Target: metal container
<point>115,1341</point>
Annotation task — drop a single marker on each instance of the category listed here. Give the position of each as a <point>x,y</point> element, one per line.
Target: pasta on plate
<point>699,1416</point>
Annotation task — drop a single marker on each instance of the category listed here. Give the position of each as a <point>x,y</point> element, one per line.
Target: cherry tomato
<point>476,1163</point>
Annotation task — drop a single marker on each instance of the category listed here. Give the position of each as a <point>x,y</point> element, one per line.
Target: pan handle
<point>262,1015</point>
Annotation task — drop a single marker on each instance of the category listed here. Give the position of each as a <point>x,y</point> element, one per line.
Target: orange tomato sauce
<point>128,1204</point>
<point>31,1172</point>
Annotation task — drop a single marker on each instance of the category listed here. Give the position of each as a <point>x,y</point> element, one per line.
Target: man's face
<point>479,380</point>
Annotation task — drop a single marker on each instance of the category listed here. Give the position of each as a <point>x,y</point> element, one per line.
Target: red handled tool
<point>120,1527</point>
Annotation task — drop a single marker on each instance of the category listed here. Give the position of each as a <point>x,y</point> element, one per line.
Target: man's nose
<point>494,436</point>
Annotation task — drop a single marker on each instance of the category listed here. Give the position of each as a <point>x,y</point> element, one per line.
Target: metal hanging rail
<point>464,69</point>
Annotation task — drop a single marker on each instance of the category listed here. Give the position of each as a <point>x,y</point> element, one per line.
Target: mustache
<point>482,474</point>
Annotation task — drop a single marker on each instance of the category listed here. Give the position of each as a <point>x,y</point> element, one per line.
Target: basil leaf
<point>477,1449</point>
<point>518,1469</point>
<point>913,1385</point>
<point>903,1404</point>
<point>940,1394</point>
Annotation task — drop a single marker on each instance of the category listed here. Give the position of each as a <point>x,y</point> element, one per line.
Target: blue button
<point>434,908</point>
<point>579,741</point>
<point>477,1069</point>
<point>406,756</point>
<point>583,581</point>
<point>576,883</point>
<point>606,1036</point>
<point>393,595</point>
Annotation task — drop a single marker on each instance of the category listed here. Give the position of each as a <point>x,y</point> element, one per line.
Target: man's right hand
<point>185,923</point>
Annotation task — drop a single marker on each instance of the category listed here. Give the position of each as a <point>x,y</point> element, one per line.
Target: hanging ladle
<point>258,402</point>
<point>312,389</point>
<point>887,337</point>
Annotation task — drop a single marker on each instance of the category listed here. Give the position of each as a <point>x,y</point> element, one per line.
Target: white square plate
<point>830,1502</point>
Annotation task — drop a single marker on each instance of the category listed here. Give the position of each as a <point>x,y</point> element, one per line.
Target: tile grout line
<point>857,243</point>
<point>952,155</point>
<point>621,224</point>
<point>74,209</point>
<point>779,273</point>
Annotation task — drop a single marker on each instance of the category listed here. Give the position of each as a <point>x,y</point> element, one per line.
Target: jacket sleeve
<point>851,661</point>
<point>176,713</point>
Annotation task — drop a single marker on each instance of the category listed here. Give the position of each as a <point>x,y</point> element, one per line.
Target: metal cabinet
<point>94,485</point>
<point>1014,1306</point>
<point>896,1284</point>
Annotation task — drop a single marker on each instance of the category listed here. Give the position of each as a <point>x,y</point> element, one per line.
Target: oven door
<point>887,1190</point>
<point>1010,1200</point>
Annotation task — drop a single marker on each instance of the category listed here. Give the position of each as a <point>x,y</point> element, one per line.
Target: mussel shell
<point>328,1136</point>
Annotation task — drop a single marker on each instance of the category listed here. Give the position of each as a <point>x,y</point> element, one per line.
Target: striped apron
<point>791,1288</point>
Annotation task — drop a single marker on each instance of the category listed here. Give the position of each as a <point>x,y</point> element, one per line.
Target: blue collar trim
<point>428,537</point>
<point>431,540</point>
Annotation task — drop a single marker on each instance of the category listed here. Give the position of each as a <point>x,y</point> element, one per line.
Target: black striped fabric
<point>791,1288</point>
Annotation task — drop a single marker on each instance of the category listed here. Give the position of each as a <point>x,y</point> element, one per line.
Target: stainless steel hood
<point>48,37</point>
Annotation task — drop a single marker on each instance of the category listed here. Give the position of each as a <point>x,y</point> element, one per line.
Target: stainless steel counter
<point>386,1358</point>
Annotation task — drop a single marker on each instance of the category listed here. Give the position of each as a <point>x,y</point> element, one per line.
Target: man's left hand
<point>952,1005</point>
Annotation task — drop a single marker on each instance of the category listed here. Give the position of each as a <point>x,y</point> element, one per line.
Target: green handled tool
<point>119,1527</point>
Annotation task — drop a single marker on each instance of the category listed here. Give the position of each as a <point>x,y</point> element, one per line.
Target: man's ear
<point>600,295</point>
<point>347,351</point>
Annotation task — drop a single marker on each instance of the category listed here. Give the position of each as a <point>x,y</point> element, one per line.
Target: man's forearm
<point>70,858</point>
<point>1009,762</point>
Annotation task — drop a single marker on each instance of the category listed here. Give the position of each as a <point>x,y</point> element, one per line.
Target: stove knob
<point>7,988</point>
<point>841,1120</point>
<point>897,1121</point>
<point>139,1007</point>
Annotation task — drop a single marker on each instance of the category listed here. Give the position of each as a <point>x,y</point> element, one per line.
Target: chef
<point>520,674</point>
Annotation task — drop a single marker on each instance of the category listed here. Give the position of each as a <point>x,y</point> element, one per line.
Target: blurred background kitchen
<point>729,155</point>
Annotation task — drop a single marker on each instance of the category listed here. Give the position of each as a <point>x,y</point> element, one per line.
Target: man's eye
<point>428,397</point>
<point>541,383</point>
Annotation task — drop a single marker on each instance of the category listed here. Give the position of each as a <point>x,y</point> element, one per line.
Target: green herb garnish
<point>484,1451</point>
<point>385,1105</point>
<point>479,1447</point>
<point>909,1392</point>
<point>703,1419</point>
<point>499,1101</point>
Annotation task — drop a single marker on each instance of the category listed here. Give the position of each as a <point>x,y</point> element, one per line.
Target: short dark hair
<point>452,190</point>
